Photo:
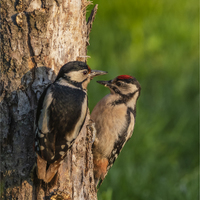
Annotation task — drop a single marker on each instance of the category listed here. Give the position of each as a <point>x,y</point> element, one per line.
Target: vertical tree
<point>37,38</point>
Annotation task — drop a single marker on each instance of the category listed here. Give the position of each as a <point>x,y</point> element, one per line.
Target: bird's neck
<point>69,83</point>
<point>129,99</point>
<point>131,103</point>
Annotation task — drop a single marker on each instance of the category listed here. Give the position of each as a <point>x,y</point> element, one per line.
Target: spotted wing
<point>45,149</point>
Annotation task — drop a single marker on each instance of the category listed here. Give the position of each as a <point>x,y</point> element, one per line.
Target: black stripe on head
<point>72,66</point>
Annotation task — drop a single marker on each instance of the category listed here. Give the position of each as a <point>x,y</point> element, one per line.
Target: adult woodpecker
<point>114,118</point>
<point>61,112</point>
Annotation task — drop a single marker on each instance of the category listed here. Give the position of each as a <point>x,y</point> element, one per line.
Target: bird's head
<point>77,73</point>
<point>125,86</point>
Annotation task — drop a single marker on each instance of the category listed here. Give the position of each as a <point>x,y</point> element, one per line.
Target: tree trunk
<point>37,38</point>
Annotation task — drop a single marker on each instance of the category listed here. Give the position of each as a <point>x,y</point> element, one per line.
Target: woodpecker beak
<point>94,73</point>
<point>105,83</point>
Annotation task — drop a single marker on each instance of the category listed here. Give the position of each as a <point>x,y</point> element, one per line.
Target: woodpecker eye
<point>85,72</point>
<point>118,84</point>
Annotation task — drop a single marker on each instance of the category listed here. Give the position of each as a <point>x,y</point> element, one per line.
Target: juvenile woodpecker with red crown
<point>114,118</point>
<point>61,112</point>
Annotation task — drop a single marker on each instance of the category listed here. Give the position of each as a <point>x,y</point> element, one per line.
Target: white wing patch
<point>77,75</point>
<point>44,118</point>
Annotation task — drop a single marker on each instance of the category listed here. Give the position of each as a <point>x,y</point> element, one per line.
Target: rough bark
<point>37,38</point>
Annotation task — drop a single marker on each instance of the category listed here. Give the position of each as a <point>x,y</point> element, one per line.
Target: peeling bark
<point>37,38</point>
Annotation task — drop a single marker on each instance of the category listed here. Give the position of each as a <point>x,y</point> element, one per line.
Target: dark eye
<point>118,84</point>
<point>85,72</point>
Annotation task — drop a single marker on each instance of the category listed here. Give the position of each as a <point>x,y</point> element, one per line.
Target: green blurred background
<point>157,42</point>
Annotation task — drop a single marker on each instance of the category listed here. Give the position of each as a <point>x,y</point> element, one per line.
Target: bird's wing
<point>120,142</point>
<point>43,134</point>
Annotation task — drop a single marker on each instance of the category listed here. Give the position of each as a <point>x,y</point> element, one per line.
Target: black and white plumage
<point>114,118</point>
<point>61,112</point>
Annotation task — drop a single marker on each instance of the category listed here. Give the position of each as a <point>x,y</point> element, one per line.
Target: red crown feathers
<point>124,77</point>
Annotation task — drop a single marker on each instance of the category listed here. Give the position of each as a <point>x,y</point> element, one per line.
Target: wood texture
<point>37,38</point>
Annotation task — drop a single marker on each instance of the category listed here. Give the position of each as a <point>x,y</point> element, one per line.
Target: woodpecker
<point>114,118</point>
<point>61,112</point>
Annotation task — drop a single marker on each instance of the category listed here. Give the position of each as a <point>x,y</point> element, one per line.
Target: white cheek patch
<point>77,75</point>
<point>130,89</point>
<point>134,88</point>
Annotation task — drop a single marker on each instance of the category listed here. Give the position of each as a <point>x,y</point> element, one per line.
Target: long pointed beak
<point>105,83</point>
<point>94,73</point>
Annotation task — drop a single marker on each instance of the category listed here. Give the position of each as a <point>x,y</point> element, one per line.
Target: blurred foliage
<point>157,42</point>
